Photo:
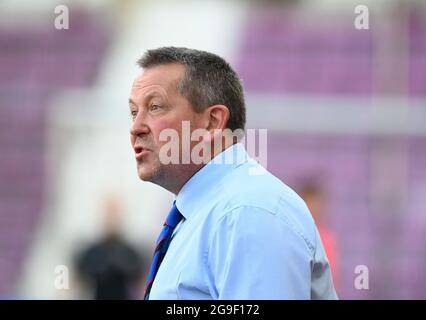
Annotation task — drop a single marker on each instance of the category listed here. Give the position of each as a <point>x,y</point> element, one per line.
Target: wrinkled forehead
<point>162,79</point>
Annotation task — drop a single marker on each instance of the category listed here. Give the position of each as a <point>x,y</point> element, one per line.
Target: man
<point>315,198</point>
<point>231,233</point>
<point>111,267</point>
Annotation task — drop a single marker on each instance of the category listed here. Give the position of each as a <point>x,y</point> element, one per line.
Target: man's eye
<point>133,114</point>
<point>154,107</point>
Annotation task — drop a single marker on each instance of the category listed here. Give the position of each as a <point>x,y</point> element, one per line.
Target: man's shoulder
<point>265,196</point>
<point>260,201</point>
<point>252,185</point>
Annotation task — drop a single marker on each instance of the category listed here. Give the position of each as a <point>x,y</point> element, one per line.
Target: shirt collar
<point>195,191</point>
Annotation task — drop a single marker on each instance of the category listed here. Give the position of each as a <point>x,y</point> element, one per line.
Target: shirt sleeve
<point>256,254</point>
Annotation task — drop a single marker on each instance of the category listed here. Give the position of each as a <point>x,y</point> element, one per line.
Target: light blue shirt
<point>245,235</point>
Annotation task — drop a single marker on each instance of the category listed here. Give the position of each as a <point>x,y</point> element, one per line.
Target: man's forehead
<point>163,75</point>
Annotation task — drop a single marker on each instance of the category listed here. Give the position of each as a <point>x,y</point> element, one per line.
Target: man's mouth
<point>141,151</point>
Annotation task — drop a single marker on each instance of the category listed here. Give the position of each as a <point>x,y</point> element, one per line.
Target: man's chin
<point>145,175</point>
<point>151,173</point>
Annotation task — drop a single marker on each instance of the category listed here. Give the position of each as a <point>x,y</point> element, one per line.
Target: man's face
<point>155,105</point>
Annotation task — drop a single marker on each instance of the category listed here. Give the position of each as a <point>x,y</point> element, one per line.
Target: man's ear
<point>217,117</point>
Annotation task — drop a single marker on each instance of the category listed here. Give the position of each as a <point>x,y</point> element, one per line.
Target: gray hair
<point>208,80</point>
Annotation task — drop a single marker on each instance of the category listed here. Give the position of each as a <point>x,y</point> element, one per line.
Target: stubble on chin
<point>147,171</point>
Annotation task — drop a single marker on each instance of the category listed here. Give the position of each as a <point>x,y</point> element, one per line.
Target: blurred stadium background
<point>344,108</point>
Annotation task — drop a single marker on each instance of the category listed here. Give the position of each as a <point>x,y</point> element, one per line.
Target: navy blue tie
<point>161,246</point>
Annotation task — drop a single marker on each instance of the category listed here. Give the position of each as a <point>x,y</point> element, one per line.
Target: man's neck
<point>188,174</point>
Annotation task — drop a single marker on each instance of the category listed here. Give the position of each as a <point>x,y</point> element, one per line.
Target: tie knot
<point>174,216</point>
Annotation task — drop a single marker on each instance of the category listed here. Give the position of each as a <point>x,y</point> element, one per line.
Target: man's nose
<point>139,125</point>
